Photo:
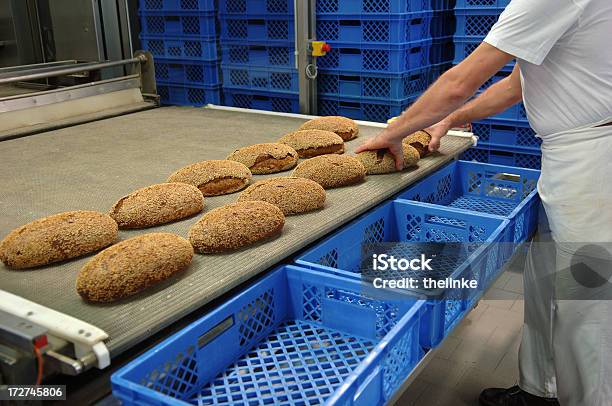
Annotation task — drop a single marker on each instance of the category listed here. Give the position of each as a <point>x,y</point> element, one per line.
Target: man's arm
<point>446,95</point>
<point>495,99</point>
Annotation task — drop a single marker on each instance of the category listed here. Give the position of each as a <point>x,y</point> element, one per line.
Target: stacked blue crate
<point>384,54</point>
<point>182,36</point>
<point>257,54</point>
<point>506,138</point>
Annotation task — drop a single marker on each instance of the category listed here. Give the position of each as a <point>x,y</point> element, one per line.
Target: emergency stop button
<point>320,48</point>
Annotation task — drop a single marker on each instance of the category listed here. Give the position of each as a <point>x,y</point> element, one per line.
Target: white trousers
<point>566,348</point>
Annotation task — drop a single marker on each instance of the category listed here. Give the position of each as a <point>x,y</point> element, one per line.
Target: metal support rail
<point>77,69</point>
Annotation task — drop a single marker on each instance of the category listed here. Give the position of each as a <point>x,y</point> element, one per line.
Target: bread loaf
<point>266,158</point>
<point>235,226</point>
<point>381,161</point>
<point>292,195</point>
<point>419,141</point>
<point>214,177</point>
<point>332,171</point>
<point>57,238</point>
<point>346,128</point>
<point>309,143</point>
<point>157,204</point>
<point>133,265</point>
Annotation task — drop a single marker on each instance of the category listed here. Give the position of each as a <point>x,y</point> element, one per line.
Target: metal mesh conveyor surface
<point>90,166</point>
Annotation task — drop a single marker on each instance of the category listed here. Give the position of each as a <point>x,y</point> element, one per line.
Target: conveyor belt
<point>92,165</point>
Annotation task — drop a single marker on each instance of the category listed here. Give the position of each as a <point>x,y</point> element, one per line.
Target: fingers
<point>368,145</point>
<point>398,155</point>
<point>434,144</point>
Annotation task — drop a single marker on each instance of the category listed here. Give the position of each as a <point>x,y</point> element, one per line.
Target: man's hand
<point>384,140</point>
<point>437,131</point>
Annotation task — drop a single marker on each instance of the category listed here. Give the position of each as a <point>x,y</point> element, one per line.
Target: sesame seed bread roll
<point>133,265</point>
<point>332,171</point>
<point>344,127</point>
<point>214,177</point>
<point>236,225</point>
<point>266,158</point>
<point>420,141</point>
<point>292,195</point>
<point>309,143</point>
<point>157,204</point>
<point>381,161</point>
<point>57,238</point>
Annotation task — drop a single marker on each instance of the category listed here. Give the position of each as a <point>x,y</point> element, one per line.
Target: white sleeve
<point>528,29</point>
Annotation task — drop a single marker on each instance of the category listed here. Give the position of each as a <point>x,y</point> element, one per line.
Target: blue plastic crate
<point>258,55</point>
<point>268,29</point>
<point>408,230</point>
<point>443,24</point>
<point>476,22</point>
<point>510,133</point>
<point>504,156</point>
<point>187,72</point>
<point>361,108</point>
<point>383,58</point>
<point>290,338</point>
<point>371,6</point>
<point>262,100</point>
<point>376,86</point>
<point>188,95</point>
<point>442,51</point>
<point>498,190</point>
<point>256,7</point>
<point>443,4</point>
<point>274,79</point>
<point>375,28</point>
<point>179,24</point>
<point>176,5</point>
<point>480,4</point>
<point>192,49</point>
<point>464,46</point>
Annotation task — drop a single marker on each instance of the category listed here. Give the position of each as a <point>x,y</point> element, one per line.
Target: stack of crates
<point>384,54</point>
<point>258,54</point>
<point>507,138</point>
<point>182,36</point>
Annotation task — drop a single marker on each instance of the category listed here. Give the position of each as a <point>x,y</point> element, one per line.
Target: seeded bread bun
<point>235,226</point>
<point>266,158</point>
<point>292,195</point>
<point>381,161</point>
<point>157,204</point>
<point>133,265</point>
<point>332,171</point>
<point>57,238</point>
<point>419,141</point>
<point>214,177</point>
<point>309,143</point>
<point>344,127</point>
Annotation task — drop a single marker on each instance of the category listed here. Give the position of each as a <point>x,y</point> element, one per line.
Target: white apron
<point>566,350</point>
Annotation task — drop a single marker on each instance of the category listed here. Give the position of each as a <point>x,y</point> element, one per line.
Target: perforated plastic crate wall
<point>362,108</point>
<point>271,30</point>
<point>290,338</point>
<point>274,79</point>
<point>475,22</point>
<point>380,86</point>
<point>443,24</point>
<point>366,57</point>
<point>176,5</point>
<point>504,156</point>
<point>188,95</point>
<point>256,7</point>
<point>507,133</point>
<point>464,46</point>
<point>183,24</point>
<point>371,6</point>
<point>407,222</point>
<point>261,100</point>
<point>258,55</point>
<point>192,49</point>
<point>480,4</point>
<point>504,191</point>
<point>187,72</point>
<point>373,28</point>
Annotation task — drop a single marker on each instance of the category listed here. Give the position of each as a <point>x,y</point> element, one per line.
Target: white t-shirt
<point>564,50</point>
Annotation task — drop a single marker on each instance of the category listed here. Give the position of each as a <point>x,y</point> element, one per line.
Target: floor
<point>481,352</point>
